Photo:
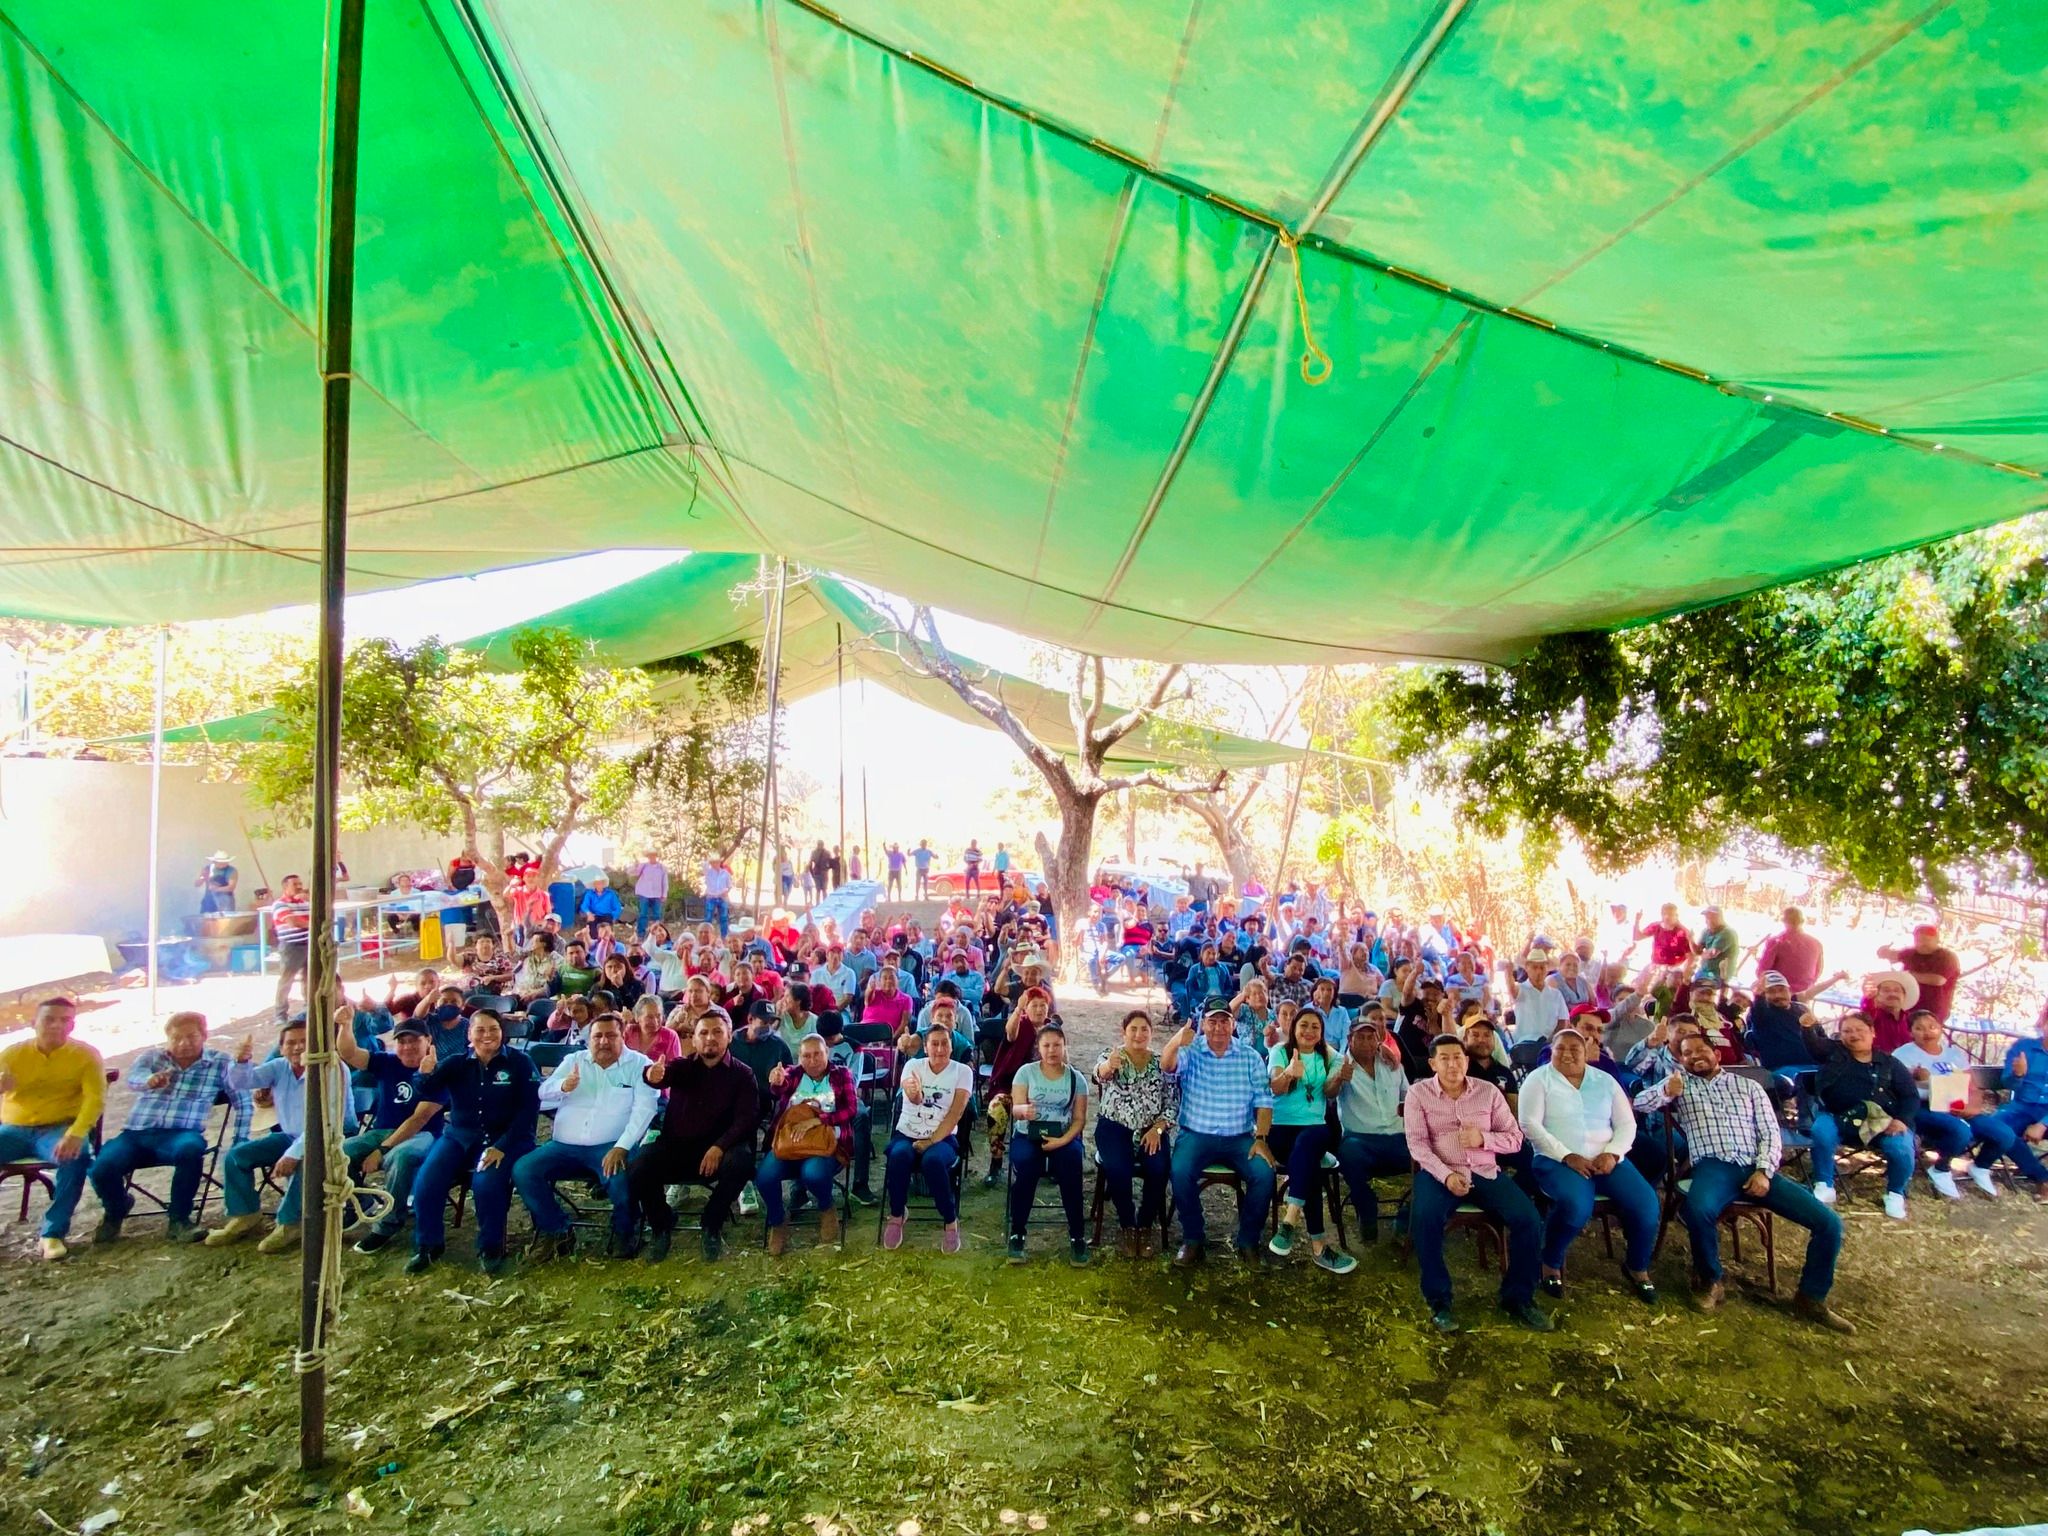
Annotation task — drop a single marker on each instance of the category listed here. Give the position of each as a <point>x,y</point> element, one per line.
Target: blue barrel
<point>562,895</point>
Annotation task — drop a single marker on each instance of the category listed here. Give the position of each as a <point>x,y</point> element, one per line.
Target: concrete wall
<point>74,847</point>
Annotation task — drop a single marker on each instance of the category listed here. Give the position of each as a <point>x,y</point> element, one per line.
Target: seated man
<point>707,1135</point>
<point>492,1099</point>
<point>1732,1133</point>
<point>51,1091</point>
<point>175,1088</point>
<point>398,1075</point>
<point>2026,1113</point>
<point>759,1046</point>
<point>280,1150</point>
<point>1226,1113</point>
<point>1458,1128</point>
<point>1369,1087</point>
<point>1781,1030</point>
<point>603,1107</point>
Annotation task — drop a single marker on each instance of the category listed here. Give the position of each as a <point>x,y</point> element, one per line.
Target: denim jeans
<point>535,1174</point>
<point>2004,1131</point>
<point>19,1143</point>
<point>1029,1161</point>
<point>935,1162</point>
<point>651,910</point>
<point>401,1167</point>
<point>238,1177</point>
<point>1300,1149</point>
<point>1571,1207</point>
<point>184,1151</point>
<point>1897,1150</point>
<point>718,909</point>
<point>816,1174</point>
<point>1430,1207</point>
<point>490,1189</point>
<point>1195,1150</point>
<point>1365,1156</point>
<point>1121,1160</point>
<point>1715,1185</point>
<point>1943,1134</point>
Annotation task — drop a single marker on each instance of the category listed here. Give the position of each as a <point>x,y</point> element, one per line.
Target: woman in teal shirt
<point>1302,1066</point>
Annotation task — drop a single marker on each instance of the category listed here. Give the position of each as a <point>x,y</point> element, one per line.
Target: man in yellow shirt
<point>51,1091</point>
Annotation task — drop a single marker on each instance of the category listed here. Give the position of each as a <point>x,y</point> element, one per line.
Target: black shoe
<point>658,1244</point>
<point>549,1246</point>
<point>1531,1318</point>
<point>1552,1286</point>
<point>617,1247</point>
<point>862,1195</point>
<point>1443,1320</point>
<point>492,1261</point>
<point>1190,1254</point>
<point>109,1229</point>
<point>1642,1290</point>
<point>1261,1255</point>
<point>1077,1253</point>
<point>376,1240</point>
<point>183,1232</point>
<point>422,1260</point>
<point>1016,1252</point>
<point>714,1247</point>
<point>993,1177</point>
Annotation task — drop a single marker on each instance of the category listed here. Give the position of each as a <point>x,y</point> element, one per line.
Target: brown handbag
<point>801,1134</point>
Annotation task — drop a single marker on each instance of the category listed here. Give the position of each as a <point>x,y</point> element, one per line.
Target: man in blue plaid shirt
<point>1226,1108</point>
<point>176,1088</point>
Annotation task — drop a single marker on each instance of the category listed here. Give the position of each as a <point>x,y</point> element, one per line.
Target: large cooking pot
<point>222,925</point>
<point>135,952</point>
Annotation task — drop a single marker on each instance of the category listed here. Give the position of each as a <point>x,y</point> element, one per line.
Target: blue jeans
<point>1714,1187</point>
<point>1896,1150</point>
<point>1195,1150</point>
<point>401,1167</point>
<point>816,1174</point>
<point>1430,1207</point>
<point>935,1162</point>
<point>1945,1135</point>
<point>1365,1156</point>
<point>1029,1160</point>
<point>1571,1207</point>
<point>1300,1149</point>
<point>1122,1160</point>
<point>490,1190</point>
<point>718,909</point>
<point>184,1151</point>
<point>2005,1134</point>
<point>19,1143</point>
<point>651,911</point>
<point>535,1174</point>
<point>238,1177</point>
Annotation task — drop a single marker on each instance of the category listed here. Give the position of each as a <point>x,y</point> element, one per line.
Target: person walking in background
<point>217,880</point>
<point>818,867</point>
<point>650,891</point>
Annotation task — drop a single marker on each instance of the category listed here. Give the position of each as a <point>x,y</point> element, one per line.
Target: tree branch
<point>1161,693</point>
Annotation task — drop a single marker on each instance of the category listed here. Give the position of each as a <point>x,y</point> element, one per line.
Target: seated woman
<point>1943,1129</point>
<point>1868,1095</point>
<point>647,1033</point>
<point>1049,1109</point>
<point>489,969</point>
<point>1139,1106</point>
<point>1301,1068</point>
<point>1251,1013</point>
<point>814,1104</point>
<point>1336,1019</point>
<point>1581,1124</point>
<point>934,1094</point>
<point>1018,1045</point>
<point>1358,978</point>
<point>616,977</point>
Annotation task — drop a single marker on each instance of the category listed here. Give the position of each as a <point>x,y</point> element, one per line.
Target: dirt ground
<point>858,1392</point>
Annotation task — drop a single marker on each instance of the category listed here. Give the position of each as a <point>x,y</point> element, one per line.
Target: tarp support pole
<point>867,848</point>
<point>323,974</point>
<point>839,661</point>
<point>768,798</point>
<point>156,814</point>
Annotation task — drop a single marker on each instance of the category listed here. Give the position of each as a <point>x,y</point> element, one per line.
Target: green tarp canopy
<point>1007,307</point>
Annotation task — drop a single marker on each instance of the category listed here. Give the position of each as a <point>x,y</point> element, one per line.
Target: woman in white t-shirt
<point>1049,1109</point>
<point>935,1092</point>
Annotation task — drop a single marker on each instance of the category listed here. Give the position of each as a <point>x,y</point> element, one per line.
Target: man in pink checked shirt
<point>1458,1128</point>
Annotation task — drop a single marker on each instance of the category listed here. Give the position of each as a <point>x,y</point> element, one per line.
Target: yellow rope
<point>1315,362</point>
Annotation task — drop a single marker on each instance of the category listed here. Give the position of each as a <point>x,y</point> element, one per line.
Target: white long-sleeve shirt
<point>1585,1121</point>
<point>610,1105</point>
<point>1538,1011</point>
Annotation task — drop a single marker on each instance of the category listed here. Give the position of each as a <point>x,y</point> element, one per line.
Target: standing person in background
<point>853,865</point>
<point>291,919</point>
<point>895,860</point>
<point>1932,964</point>
<point>818,868</point>
<point>1716,947</point>
<point>528,903</point>
<point>217,880</point>
<point>650,891</point>
<point>921,856</point>
<point>785,872</point>
<point>1792,952</point>
<point>971,862</point>
<point>835,868</point>
<point>718,893</point>
<point>1002,865</point>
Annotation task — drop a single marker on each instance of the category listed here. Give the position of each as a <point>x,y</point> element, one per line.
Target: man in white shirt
<point>718,894</point>
<point>1540,1005</point>
<point>603,1108</point>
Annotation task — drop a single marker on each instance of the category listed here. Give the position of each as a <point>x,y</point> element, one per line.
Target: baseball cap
<point>408,1027</point>
<point>1773,979</point>
<point>1215,1005</point>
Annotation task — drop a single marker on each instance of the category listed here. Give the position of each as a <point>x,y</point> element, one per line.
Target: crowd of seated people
<point>1337,1057</point>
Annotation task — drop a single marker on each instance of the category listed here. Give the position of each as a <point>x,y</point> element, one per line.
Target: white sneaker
<point>1981,1177</point>
<point>1895,1207</point>
<point>1824,1193</point>
<point>1945,1183</point>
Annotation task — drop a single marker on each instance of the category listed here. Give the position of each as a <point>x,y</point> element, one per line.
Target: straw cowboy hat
<point>1905,979</point>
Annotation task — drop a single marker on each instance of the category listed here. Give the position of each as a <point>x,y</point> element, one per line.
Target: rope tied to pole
<point>1316,366</point>
<point>347,1204</point>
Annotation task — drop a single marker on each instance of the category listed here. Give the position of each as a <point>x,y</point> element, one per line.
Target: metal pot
<point>222,925</point>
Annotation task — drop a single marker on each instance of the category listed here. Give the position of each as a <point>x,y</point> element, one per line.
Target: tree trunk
<point>1131,826</point>
<point>1067,871</point>
<point>1229,836</point>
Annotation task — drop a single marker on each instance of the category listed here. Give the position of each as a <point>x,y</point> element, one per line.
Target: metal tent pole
<point>867,848</point>
<point>774,696</point>
<point>156,814</point>
<point>839,661</point>
<point>323,975</point>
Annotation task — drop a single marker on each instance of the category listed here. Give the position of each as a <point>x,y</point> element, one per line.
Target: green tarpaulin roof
<point>1626,308</point>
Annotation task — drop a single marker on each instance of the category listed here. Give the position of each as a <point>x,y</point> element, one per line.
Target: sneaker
<point>892,1233</point>
<point>1336,1261</point>
<point>949,1238</point>
<point>1710,1299</point>
<point>749,1201</point>
<point>54,1249</point>
<point>1443,1320</point>
<point>1821,1313</point>
<point>282,1238</point>
<point>862,1195</point>
<point>828,1227</point>
<point>422,1260</point>
<point>1015,1250</point>
<point>492,1261</point>
<point>376,1240</point>
<point>993,1177</point>
<point>1944,1183</point>
<point>1281,1243</point>
<point>658,1244</point>
<point>1824,1193</point>
<point>778,1241</point>
<point>713,1247</point>
<point>1531,1317</point>
<point>1895,1206</point>
<point>184,1232</point>
<point>1077,1253</point>
<point>237,1228</point>
<point>1981,1177</point>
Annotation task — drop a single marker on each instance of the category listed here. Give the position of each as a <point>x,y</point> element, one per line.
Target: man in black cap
<point>707,1135</point>
<point>397,1075</point>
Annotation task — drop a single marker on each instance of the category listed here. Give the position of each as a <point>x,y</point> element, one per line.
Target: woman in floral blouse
<point>1139,1106</point>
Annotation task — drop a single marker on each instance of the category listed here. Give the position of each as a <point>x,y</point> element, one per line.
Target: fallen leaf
<point>358,1506</point>
<point>92,1525</point>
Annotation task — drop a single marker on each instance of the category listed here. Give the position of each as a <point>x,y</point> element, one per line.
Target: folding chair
<point>1099,1202</point>
<point>34,1172</point>
<point>208,1173</point>
<point>930,1217</point>
<point>842,1193</point>
<point>1525,1056</point>
<point>1742,1209</point>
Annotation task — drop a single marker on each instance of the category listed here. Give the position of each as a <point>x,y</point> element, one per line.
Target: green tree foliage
<point>1891,721</point>
<point>699,780</point>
